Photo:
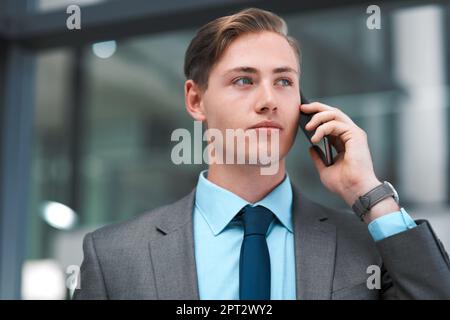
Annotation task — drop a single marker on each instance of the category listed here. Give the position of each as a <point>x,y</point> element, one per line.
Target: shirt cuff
<point>391,224</point>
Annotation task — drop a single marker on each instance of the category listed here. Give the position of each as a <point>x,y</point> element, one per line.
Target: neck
<point>245,181</point>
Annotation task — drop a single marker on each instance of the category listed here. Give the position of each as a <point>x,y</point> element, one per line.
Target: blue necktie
<point>254,263</point>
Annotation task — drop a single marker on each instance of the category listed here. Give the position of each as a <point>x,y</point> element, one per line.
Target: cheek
<point>291,117</point>
<point>226,112</point>
<point>222,116</point>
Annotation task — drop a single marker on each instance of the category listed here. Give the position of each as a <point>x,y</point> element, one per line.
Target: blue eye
<point>239,82</point>
<point>287,82</point>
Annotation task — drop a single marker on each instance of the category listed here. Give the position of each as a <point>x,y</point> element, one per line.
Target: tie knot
<point>256,220</point>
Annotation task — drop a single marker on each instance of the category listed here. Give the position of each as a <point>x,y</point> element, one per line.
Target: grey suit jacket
<point>152,257</point>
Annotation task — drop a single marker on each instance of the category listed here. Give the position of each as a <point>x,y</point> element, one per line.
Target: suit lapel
<point>315,245</point>
<point>172,252</point>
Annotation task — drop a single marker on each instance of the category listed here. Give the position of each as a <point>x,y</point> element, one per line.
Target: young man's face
<point>267,90</point>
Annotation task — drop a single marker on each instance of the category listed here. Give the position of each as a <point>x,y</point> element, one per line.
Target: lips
<point>267,124</point>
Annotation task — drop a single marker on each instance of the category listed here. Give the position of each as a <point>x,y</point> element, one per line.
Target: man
<point>241,234</point>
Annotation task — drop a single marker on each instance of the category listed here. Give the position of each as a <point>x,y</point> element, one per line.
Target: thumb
<point>318,163</point>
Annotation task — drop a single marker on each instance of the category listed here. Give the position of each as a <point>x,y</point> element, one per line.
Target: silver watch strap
<point>364,203</point>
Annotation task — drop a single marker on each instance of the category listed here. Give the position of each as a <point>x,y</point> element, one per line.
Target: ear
<point>193,96</point>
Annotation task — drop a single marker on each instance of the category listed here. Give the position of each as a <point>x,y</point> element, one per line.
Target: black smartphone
<point>323,147</point>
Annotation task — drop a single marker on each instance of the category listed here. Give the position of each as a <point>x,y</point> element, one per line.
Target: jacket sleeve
<point>92,285</point>
<point>416,265</point>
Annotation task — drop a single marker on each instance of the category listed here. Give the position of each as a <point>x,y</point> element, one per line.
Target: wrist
<point>384,207</point>
<point>360,189</point>
<point>370,199</point>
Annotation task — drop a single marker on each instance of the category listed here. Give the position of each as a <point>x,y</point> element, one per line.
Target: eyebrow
<point>254,70</point>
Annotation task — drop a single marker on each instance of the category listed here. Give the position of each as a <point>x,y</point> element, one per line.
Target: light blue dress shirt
<point>391,224</point>
<point>218,236</point>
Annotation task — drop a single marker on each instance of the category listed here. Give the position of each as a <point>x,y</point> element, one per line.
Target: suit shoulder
<point>140,226</point>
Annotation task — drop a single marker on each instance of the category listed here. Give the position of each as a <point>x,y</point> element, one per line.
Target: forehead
<point>264,50</point>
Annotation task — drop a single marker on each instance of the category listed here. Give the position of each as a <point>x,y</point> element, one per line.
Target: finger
<point>320,107</point>
<point>319,118</point>
<point>323,117</point>
<point>334,128</point>
<point>315,107</point>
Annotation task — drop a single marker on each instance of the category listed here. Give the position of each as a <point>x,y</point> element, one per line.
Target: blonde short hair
<point>211,40</point>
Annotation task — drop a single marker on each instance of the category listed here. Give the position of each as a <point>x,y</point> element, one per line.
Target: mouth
<point>267,124</point>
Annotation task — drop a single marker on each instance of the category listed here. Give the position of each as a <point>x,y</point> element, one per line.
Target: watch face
<point>396,197</point>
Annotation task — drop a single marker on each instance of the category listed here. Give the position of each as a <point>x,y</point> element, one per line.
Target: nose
<point>266,99</point>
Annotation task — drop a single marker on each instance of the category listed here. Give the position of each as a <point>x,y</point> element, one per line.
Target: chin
<point>263,153</point>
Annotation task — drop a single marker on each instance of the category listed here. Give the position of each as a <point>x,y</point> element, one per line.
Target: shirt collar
<point>219,206</point>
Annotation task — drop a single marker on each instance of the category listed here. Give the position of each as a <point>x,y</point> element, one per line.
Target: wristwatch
<point>364,203</point>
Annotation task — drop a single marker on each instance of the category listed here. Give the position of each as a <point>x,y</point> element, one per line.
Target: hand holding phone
<point>323,147</point>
